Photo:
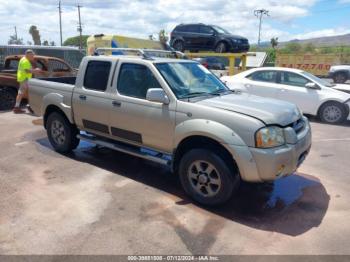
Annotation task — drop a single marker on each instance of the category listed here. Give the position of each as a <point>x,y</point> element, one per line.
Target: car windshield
<point>220,30</point>
<point>318,81</point>
<point>190,79</point>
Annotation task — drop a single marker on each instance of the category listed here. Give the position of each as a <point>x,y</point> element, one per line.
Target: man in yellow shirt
<point>24,73</point>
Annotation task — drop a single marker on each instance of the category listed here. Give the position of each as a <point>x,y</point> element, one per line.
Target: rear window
<point>96,75</point>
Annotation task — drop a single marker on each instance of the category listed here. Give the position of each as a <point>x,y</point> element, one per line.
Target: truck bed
<point>57,88</point>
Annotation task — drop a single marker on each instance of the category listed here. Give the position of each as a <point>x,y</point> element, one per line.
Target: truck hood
<point>269,111</point>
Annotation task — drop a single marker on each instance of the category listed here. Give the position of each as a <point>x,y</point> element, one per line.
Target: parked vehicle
<point>339,73</point>
<point>211,63</point>
<point>50,66</point>
<point>196,37</point>
<point>177,113</point>
<point>311,94</point>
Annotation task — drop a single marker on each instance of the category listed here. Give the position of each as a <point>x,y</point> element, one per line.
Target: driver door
<point>133,118</point>
<point>292,89</point>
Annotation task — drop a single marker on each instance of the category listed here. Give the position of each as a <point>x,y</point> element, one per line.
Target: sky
<point>288,19</point>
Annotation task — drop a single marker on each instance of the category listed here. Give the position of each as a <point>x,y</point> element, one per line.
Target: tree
<point>46,43</point>
<point>74,41</point>
<point>33,30</point>
<point>274,42</point>
<point>163,38</point>
<point>293,47</point>
<point>309,47</point>
<point>14,40</point>
<point>52,43</point>
<point>29,43</point>
<point>150,37</point>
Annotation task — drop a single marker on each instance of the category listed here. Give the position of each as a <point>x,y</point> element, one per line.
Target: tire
<point>333,112</point>
<point>221,48</point>
<point>179,45</point>
<point>7,98</point>
<point>340,78</point>
<point>208,189</point>
<point>62,134</point>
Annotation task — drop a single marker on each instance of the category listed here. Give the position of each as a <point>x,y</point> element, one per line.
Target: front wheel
<point>206,177</point>
<point>62,134</point>
<point>333,113</point>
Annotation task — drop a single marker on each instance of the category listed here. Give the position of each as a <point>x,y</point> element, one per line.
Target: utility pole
<point>16,33</point>
<point>80,29</point>
<point>60,16</point>
<point>259,13</point>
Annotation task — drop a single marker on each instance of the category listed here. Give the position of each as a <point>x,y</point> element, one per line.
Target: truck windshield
<point>190,79</point>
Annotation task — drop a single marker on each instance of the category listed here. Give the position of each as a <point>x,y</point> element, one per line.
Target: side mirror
<point>312,85</point>
<point>157,95</point>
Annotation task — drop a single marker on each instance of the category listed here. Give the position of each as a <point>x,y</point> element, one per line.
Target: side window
<point>206,30</point>
<point>13,64</point>
<point>96,75</point>
<point>263,76</point>
<point>192,29</point>
<point>180,29</point>
<point>134,80</point>
<point>57,66</point>
<point>40,64</point>
<point>293,79</point>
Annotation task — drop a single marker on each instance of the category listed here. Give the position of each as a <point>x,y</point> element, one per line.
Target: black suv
<point>196,37</point>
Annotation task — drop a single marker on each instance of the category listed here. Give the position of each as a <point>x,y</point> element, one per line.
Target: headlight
<point>270,136</point>
<point>235,41</point>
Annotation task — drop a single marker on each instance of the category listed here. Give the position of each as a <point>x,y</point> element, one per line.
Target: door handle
<point>283,90</point>
<point>82,97</point>
<point>116,103</point>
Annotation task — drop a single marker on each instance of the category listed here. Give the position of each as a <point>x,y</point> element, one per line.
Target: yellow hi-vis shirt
<point>23,65</point>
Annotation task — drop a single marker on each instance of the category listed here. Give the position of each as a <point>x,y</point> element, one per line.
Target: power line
<point>259,13</point>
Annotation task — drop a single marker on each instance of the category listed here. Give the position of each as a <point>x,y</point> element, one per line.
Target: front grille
<point>298,125</point>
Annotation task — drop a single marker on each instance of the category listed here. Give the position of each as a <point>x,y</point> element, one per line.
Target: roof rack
<point>145,53</point>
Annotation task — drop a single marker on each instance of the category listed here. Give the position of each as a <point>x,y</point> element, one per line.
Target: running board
<point>141,152</point>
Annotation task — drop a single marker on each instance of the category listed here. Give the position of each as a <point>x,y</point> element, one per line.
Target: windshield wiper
<point>194,94</point>
<point>220,92</point>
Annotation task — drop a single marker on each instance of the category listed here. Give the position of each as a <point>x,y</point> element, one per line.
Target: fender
<point>57,100</point>
<point>207,128</point>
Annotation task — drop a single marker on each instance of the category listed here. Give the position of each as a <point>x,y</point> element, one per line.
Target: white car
<point>311,94</point>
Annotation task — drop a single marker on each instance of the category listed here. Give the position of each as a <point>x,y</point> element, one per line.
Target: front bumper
<point>259,165</point>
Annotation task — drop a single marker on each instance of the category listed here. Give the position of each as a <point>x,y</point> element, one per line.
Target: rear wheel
<point>179,45</point>
<point>7,98</point>
<point>333,112</point>
<point>62,134</point>
<point>221,48</point>
<point>340,78</point>
<point>207,177</point>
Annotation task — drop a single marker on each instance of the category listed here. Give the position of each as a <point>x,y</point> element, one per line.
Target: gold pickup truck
<point>177,113</point>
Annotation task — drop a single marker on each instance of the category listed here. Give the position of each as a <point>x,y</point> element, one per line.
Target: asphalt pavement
<point>97,201</point>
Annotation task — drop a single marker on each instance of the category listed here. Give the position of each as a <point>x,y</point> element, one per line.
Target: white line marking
<point>22,143</point>
<point>331,139</point>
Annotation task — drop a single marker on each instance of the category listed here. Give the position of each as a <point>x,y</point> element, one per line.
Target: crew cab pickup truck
<point>177,113</point>
<point>50,66</point>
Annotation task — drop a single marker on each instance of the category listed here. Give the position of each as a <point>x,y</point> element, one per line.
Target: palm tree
<point>274,42</point>
<point>33,30</point>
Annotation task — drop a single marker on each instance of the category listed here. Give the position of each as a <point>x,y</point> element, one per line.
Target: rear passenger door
<point>91,102</point>
<point>262,83</point>
<point>136,120</point>
<point>191,36</point>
